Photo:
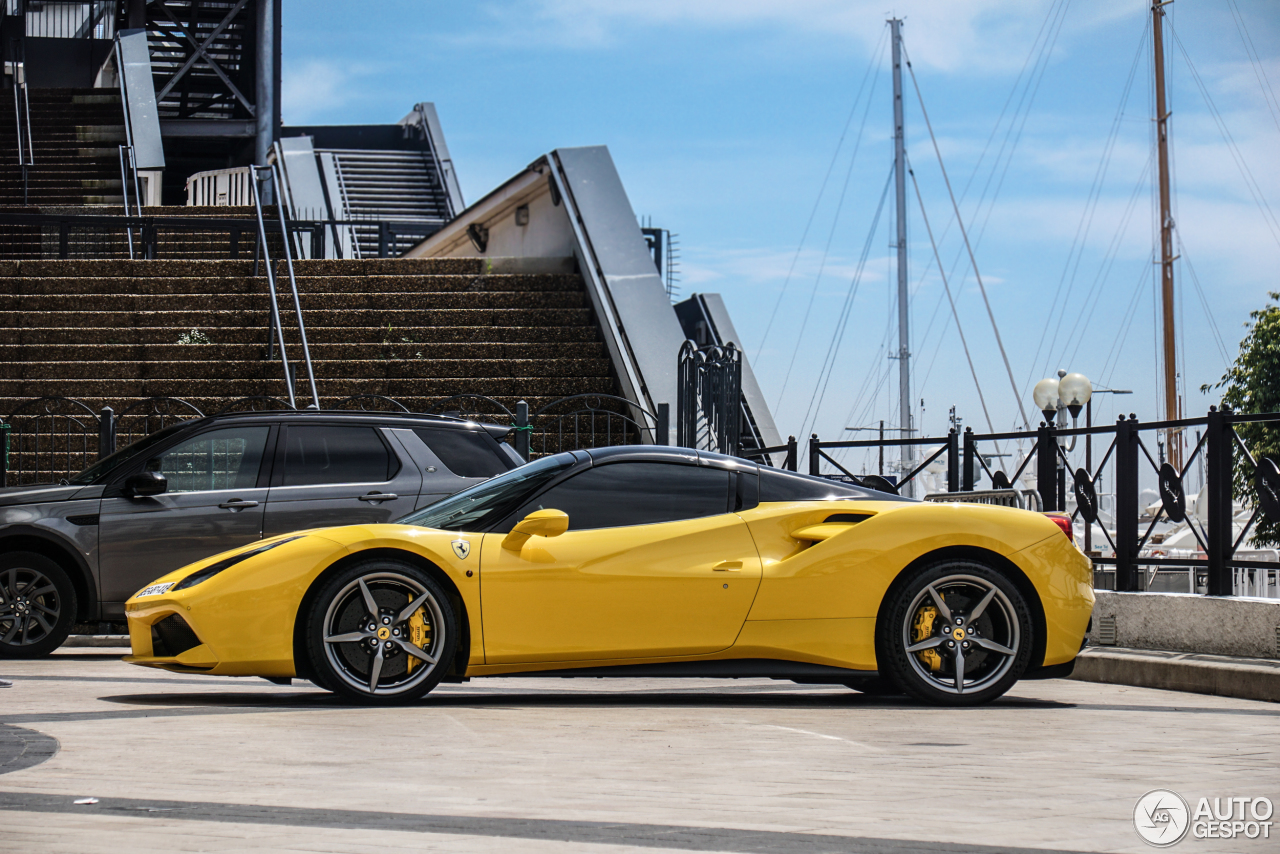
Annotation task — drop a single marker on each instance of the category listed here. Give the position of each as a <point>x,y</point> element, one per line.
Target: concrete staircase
<point>107,332</point>
<point>74,135</point>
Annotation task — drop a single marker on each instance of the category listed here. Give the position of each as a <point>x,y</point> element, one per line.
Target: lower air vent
<point>171,637</point>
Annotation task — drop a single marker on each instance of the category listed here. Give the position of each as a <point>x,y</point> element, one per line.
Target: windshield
<point>107,465</point>
<point>483,504</point>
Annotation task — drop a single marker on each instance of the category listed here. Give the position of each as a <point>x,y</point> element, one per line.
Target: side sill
<point>1053,671</point>
<point>742,668</point>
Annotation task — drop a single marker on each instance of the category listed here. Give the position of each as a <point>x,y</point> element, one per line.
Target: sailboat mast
<point>1171,408</point>
<point>900,186</point>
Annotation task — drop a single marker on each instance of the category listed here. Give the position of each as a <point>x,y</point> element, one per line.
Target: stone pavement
<point>190,763</point>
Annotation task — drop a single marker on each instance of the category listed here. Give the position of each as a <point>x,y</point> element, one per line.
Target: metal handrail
<point>271,289</point>
<point>293,282</point>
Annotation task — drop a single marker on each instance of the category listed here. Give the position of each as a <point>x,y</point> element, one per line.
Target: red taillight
<point>1063,521</point>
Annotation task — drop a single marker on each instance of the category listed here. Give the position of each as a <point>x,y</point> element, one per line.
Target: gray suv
<point>76,551</point>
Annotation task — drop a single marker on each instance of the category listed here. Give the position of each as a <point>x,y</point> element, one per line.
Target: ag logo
<point>1161,818</point>
<point>461,548</point>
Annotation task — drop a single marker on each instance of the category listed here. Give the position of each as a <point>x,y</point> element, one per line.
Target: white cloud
<point>313,88</point>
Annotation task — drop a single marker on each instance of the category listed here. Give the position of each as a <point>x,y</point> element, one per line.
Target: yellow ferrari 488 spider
<point>639,561</point>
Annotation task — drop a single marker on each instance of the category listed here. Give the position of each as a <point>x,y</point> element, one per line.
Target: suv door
<point>328,475</point>
<point>214,502</point>
<point>652,565</point>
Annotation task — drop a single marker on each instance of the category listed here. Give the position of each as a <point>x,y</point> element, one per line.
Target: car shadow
<point>536,698</point>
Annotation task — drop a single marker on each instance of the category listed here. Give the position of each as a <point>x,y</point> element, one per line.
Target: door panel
<point>639,591</point>
<point>332,475</point>
<point>213,504</point>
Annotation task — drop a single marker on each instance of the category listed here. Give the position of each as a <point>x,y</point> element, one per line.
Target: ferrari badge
<point>461,548</point>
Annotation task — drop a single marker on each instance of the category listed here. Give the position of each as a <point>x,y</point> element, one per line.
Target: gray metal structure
<point>567,210</point>
<point>138,91</point>
<point>900,190</point>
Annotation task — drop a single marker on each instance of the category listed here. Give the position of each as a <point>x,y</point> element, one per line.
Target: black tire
<point>373,663</point>
<point>933,612</point>
<point>37,605</point>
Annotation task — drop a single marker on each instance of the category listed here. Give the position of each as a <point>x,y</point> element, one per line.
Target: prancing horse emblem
<point>461,548</point>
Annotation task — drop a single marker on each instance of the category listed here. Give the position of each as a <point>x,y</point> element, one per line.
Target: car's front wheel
<point>381,631</point>
<point>37,605</point>
<point>955,633</point>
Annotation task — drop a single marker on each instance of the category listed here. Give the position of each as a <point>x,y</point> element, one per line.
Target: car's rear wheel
<point>381,631</point>
<point>37,605</point>
<point>955,633</point>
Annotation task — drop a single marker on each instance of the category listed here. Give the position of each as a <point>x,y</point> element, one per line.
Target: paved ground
<point>188,763</point>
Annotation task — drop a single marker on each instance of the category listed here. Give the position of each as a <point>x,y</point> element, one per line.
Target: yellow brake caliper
<point>419,634</point>
<point>921,629</point>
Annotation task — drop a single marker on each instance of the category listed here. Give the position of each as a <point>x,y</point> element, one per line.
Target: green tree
<point>1252,385</point>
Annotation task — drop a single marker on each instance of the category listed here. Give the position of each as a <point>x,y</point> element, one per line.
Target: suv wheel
<point>37,605</point>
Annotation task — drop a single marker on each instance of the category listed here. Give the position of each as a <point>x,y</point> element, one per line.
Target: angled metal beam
<point>201,56</point>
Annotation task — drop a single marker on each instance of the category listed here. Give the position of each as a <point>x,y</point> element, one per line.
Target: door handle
<point>728,566</point>
<point>237,504</point>
<point>379,496</point>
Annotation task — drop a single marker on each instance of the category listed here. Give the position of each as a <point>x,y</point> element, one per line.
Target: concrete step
<point>397,387</point>
<point>404,364</point>
<point>311,301</point>
<point>25,320</point>
<point>148,335</point>
<point>375,284</point>
<point>389,346</point>
<point>239,269</point>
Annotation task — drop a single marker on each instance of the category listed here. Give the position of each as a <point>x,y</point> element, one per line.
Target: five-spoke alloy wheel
<point>37,605</point>
<point>381,631</point>
<point>955,633</point>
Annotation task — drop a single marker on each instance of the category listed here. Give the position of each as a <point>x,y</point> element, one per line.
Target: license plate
<point>155,589</point>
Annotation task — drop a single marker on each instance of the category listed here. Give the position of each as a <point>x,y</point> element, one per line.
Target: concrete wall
<point>1182,622</point>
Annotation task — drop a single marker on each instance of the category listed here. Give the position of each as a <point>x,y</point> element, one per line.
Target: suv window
<point>328,453</point>
<point>220,459</point>
<point>464,452</point>
<point>621,494</point>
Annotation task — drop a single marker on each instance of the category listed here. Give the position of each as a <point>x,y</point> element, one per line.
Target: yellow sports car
<point>639,561</point>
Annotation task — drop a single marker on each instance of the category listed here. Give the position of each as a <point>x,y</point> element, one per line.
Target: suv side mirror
<point>539,523</point>
<point>145,484</point>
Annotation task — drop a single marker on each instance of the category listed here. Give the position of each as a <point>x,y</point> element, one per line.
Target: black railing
<point>765,455</point>
<point>1217,540</point>
<point>52,438</point>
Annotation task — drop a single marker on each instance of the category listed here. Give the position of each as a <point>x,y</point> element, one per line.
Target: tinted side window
<point>464,452</point>
<point>785,486</point>
<point>220,459</point>
<point>613,496</point>
<point>324,453</point>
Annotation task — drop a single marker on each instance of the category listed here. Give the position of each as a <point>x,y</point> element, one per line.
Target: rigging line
<point>1091,299</point>
<point>1254,188</point>
<point>956,315</point>
<point>1013,385</point>
<point>837,335</point>
<point>1259,70</point>
<point>1059,302</point>
<point>1204,302</point>
<point>1131,311</point>
<point>877,57</point>
<point>830,237</point>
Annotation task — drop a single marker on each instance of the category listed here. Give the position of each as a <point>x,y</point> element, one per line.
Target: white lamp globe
<point>1075,391</point>
<point>1045,394</point>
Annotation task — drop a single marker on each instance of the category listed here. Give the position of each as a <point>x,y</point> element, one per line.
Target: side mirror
<point>539,523</point>
<point>145,484</point>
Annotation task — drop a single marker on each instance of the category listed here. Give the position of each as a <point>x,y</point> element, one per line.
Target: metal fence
<point>1217,564</point>
<point>48,439</point>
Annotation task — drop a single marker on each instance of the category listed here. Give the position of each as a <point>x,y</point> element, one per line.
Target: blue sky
<point>723,117</point>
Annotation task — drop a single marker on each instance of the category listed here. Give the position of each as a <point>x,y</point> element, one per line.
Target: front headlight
<point>214,568</point>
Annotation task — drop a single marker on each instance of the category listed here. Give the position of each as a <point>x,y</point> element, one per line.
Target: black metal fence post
<point>663,428</point>
<point>1126,474</point>
<point>814,465</point>
<point>106,432</point>
<point>1047,466</point>
<point>953,460</point>
<point>792,455</point>
<point>966,467</point>
<point>1218,489</point>
<point>522,430</point>
<point>4,457</point>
